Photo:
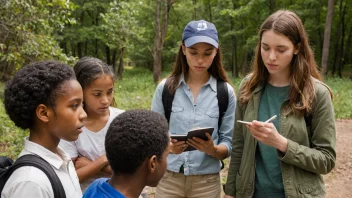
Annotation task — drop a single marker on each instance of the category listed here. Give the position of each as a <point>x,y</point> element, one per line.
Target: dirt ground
<point>339,181</point>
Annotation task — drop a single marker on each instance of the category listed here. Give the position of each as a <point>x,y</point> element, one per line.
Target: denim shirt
<point>204,112</point>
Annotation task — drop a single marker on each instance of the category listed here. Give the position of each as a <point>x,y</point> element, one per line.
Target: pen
<point>244,122</point>
<point>271,119</point>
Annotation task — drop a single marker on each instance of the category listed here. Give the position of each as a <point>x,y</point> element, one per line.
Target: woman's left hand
<point>267,134</point>
<point>206,146</point>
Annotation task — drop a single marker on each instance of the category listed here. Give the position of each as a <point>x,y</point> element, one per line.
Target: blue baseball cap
<point>200,32</point>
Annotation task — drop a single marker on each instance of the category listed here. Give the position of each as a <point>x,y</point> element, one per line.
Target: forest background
<point>140,39</point>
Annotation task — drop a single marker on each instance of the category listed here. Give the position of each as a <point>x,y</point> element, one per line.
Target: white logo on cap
<point>202,26</point>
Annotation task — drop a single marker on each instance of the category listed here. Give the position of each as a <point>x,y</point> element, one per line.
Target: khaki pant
<point>177,185</point>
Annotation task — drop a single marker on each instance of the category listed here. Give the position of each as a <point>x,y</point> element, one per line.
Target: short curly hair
<point>134,136</point>
<point>36,83</point>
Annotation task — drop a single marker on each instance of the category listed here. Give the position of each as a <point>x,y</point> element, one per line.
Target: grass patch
<point>135,90</point>
<point>342,90</point>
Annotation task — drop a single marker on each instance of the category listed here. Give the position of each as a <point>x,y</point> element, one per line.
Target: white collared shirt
<point>31,182</point>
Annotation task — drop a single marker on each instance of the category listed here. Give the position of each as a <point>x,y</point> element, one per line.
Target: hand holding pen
<point>266,133</point>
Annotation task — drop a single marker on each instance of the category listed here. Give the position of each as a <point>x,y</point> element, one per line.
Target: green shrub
<point>342,90</point>
<point>12,137</point>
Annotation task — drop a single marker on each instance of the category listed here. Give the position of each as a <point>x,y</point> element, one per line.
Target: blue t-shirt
<point>100,188</point>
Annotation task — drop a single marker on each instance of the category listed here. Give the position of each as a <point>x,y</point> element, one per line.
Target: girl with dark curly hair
<point>45,98</point>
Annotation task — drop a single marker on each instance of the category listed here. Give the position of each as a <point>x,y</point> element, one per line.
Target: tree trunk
<point>120,68</point>
<point>347,55</point>
<point>327,33</point>
<point>96,40</point>
<point>86,47</point>
<point>157,41</point>
<point>107,52</point>
<point>160,34</point>
<point>234,53</point>
<point>63,45</point>
<point>79,49</point>
<point>96,47</point>
<point>336,45</point>
<point>209,10</point>
<point>342,39</point>
<point>114,55</point>
<point>194,10</point>
<point>73,50</point>
<point>4,65</point>
<point>272,6</point>
<point>80,44</point>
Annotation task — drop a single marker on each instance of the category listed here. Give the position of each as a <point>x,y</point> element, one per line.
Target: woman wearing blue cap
<point>194,85</point>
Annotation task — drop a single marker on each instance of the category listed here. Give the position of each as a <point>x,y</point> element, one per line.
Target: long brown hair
<point>181,67</point>
<point>303,66</point>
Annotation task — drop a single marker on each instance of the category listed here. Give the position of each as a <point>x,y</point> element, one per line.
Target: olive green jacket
<point>310,150</point>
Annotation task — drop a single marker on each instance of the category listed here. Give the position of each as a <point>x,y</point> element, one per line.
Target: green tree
<point>27,32</point>
<point>120,26</point>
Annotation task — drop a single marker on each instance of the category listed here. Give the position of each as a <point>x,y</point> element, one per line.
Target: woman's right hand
<point>177,147</point>
<point>228,196</point>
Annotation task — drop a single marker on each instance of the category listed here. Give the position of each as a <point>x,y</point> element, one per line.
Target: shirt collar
<point>211,82</point>
<point>56,160</point>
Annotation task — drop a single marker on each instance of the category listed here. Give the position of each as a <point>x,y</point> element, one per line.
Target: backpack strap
<point>223,99</point>
<point>223,102</point>
<point>167,99</point>
<point>40,163</point>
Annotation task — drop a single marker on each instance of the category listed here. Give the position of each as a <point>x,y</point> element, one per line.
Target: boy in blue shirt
<point>137,145</point>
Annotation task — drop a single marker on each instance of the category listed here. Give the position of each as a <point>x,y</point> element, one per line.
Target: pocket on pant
<point>212,178</point>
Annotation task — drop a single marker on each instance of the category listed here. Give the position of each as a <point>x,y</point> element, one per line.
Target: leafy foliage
<point>111,29</point>
<point>27,32</point>
<point>12,137</point>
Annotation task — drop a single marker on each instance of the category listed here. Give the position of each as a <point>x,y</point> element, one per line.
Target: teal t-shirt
<point>268,174</point>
